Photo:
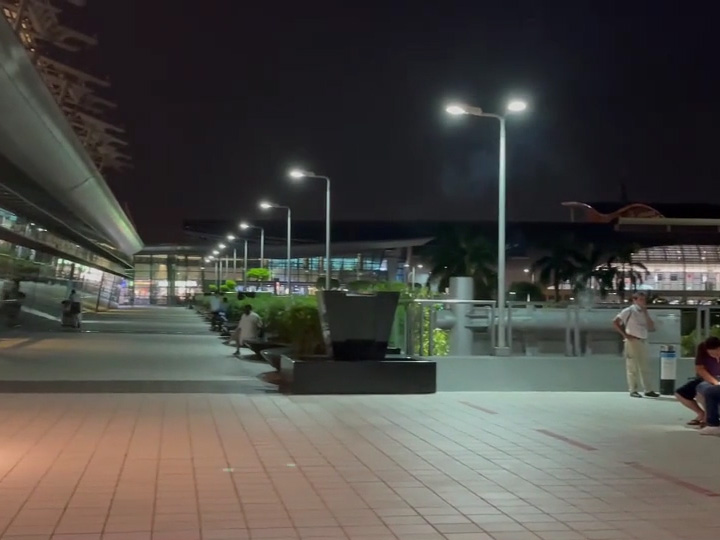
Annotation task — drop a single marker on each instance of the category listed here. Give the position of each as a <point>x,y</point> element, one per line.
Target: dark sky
<point>220,97</point>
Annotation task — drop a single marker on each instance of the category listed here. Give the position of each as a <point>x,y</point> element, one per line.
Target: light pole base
<point>502,351</point>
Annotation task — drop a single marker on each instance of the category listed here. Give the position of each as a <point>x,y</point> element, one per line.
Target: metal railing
<point>421,318</point>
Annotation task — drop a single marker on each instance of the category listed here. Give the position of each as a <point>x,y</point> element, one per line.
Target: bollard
<point>668,370</point>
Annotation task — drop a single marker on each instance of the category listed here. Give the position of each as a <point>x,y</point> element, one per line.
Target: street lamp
<point>245,226</point>
<point>512,107</point>
<point>268,206</point>
<point>298,174</point>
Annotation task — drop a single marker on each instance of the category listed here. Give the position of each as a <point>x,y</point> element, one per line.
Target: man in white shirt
<point>634,323</point>
<point>248,327</point>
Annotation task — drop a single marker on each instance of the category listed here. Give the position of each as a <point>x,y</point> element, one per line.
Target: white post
<point>289,243</point>
<point>245,266</point>
<point>328,264</point>
<point>502,348</point>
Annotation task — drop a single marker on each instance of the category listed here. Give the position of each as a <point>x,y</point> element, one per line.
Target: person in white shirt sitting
<point>634,323</point>
<point>248,327</point>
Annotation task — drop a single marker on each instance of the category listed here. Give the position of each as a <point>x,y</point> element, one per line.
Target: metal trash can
<point>668,369</point>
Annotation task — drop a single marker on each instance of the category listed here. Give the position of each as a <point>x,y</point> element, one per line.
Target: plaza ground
<point>247,463</point>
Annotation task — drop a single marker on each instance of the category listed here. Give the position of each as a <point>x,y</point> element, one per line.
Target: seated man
<point>248,328</point>
<point>712,402</point>
<point>707,368</point>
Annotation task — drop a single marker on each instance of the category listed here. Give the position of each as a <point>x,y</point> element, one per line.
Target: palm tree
<point>459,251</point>
<point>594,266</point>
<point>560,265</point>
<point>627,270</point>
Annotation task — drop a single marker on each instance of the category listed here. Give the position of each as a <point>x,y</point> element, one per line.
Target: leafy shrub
<point>259,274</point>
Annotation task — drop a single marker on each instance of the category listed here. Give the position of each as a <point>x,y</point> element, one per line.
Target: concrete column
<point>461,338</point>
<point>393,259</point>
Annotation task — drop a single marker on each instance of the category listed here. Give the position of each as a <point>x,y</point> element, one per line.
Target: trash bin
<point>668,369</point>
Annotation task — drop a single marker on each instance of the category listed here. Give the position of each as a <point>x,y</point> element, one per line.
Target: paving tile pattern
<point>449,466</point>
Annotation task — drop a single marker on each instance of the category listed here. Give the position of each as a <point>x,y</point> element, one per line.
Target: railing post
<point>421,333</point>
<point>509,327</point>
<point>431,332</point>
<point>568,332</point>
<point>576,331</point>
<point>491,325</point>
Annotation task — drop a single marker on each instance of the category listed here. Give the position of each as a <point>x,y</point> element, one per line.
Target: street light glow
<point>517,106</point>
<point>297,173</point>
<point>230,237</point>
<point>456,109</point>
<point>221,246</point>
<point>216,252</point>
<point>244,226</point>
<point>265,205</point>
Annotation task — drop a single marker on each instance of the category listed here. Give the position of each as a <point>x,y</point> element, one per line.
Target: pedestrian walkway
<point>129,350</point>
<point>449,466</point>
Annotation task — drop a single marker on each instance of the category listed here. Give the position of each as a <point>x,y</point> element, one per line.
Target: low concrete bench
<point>259,345</point>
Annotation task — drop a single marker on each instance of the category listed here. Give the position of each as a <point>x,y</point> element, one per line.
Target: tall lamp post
<point>502,348</point>
<point>232,238</point>
<point>298,174</point>
<point>218,266</point>
<point>268,206</point>
<point>245,226</point>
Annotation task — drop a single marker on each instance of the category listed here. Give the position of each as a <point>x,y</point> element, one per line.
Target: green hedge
<point>293,320</point>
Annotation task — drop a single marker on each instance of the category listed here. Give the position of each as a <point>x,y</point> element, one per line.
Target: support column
<point>393,260</point>
<point>461,338</point>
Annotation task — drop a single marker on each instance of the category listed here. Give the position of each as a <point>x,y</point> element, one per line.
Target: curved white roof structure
<point>45,173</point>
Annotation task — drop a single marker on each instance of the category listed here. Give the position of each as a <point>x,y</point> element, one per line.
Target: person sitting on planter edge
<point>707,367</point>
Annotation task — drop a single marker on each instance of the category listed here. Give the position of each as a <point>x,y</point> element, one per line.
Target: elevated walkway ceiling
<point>36,138</point>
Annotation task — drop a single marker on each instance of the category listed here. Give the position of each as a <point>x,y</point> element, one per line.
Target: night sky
<point>220,97</point>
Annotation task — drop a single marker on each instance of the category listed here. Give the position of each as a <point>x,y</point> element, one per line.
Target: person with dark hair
<point>707,368</point>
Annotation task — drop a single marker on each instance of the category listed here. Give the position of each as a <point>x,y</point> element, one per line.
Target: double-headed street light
<point>269,206</point>
<point>512,107</point>
<point>245,226</point>
<point>298,174</point>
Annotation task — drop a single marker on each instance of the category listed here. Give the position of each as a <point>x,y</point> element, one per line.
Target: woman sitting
<point>707,369</point>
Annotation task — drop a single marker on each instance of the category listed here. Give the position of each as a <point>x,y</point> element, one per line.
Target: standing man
<point>634,324</point>
<point>248,327</point>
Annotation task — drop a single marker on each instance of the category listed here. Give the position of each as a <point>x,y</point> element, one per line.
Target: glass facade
<point>30,256</point>
<point>692,270</point>
<point>168,278</point>
<point>162,279</point>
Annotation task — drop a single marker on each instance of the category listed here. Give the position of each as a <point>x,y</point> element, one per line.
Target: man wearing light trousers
<point>634,324</point>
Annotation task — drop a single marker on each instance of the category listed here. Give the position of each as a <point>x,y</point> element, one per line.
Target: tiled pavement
<point>481,466</point>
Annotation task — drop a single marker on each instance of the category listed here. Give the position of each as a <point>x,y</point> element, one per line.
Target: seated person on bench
<point>707,367</point>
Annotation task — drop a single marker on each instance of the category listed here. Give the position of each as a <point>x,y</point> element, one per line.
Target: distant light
<point>455,110</point>
<point>216,252</point>
<point>231,237</point>
<point>221,246</point>
<point>297,173</point>
<point>419,265</point>
<point>517,106</point>
<point>244,226</point>
<point>265,205</point>
<point>407,265</point>
<point>526,270</point>
<point>211,257</point>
